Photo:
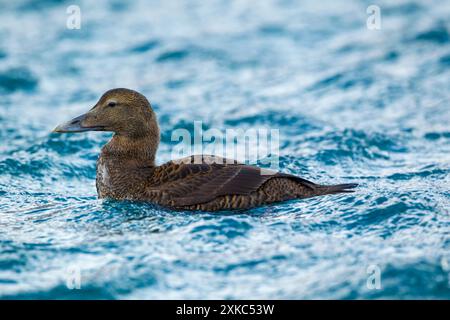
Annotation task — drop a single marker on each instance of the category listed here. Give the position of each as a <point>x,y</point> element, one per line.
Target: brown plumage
<point>126,167</point>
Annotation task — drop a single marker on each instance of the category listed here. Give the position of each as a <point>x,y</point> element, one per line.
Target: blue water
<point>351,104</point>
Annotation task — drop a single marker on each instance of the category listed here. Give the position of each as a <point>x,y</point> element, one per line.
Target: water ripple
<point>350,104</point>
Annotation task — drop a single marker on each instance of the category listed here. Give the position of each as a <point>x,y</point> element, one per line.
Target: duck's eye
<point>112,104</point>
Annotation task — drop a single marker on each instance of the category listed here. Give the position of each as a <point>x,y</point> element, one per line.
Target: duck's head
<point>125,112</point>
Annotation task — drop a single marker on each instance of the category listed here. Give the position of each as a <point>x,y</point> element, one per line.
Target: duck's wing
<point>190,184</point>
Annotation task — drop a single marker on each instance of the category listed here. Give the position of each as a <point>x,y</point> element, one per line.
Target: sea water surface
<point>351,105</point>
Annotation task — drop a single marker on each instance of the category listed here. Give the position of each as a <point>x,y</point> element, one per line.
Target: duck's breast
<point>103,180</point>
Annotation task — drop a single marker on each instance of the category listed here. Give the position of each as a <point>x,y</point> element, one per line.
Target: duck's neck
<point>139,149</point>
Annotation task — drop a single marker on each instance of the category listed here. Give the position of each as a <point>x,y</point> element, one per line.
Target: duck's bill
<point>76,125</point>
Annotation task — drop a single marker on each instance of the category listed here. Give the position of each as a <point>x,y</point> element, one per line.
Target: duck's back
<point>204,186</point>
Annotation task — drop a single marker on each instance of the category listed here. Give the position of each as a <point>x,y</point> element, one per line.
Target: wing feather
<point>190,184</point>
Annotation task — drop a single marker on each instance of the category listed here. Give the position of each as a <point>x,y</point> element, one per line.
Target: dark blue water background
<point>351,104</point>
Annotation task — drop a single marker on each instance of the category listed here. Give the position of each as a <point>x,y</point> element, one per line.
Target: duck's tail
<point>337,188</point>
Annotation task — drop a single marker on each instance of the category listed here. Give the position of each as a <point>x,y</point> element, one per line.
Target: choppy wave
<point>351,104</point>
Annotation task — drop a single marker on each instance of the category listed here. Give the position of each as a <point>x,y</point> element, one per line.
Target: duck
<point>126,167</point>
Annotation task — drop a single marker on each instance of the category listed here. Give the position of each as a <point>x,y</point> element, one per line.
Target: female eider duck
<point>126,168</point>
